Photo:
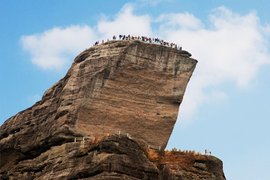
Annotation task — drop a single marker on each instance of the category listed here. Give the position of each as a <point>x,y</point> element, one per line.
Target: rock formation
<point>118,103</point>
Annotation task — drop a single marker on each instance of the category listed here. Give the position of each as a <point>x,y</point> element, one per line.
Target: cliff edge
<point>118,101</point>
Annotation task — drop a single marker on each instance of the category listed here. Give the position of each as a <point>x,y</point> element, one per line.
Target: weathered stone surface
<point>119,88</point>
<point>127,86</point>
<point>190,166</point>
<point>114,157</point>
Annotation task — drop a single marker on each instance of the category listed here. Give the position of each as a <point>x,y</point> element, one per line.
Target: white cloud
<point>53,48</point>
<point>125,23</point>
<point>232,48</point>
<point>181,20</point>
<point>56,47</point>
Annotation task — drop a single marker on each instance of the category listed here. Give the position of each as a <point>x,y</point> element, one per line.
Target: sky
<point>226,106</point>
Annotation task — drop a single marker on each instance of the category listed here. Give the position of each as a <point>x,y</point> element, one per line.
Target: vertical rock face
<point>121,88</point>
<point>117,87</point>
<point>134,88</point>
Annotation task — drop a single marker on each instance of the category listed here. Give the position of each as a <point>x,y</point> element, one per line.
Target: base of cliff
<point>113,157</point>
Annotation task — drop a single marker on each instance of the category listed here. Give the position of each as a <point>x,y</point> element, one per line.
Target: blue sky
<point>226,107</point>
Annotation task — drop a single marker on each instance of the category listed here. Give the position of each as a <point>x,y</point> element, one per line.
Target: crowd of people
<point>144,39</point>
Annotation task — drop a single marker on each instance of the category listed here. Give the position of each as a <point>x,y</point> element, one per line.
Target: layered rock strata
<point>117,87</point>
<point>115,157</point>
<point>123,88</point>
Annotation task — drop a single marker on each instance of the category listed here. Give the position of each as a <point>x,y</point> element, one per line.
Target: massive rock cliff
<point>118,101</point>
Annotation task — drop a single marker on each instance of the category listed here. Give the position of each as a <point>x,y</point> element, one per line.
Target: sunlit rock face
<point>127,88</point>
<point>130,87</point>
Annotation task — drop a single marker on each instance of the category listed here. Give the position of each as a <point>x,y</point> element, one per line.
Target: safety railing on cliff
<point>95,139</point>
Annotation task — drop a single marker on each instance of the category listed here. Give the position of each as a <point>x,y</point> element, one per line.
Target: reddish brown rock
<point>115,157</point>
<point>190,166</point>
<point>126,88</point>
<point>121,86</point>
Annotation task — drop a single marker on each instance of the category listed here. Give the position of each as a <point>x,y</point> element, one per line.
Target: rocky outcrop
<point>127,86</point>
<point>120,88</point>
<point>115,157</point>
<point>190,166</point>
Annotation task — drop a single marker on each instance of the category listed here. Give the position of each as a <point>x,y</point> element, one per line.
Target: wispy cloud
<point>230,48</point>
<point>175,21</point>
<point>125,22</point>
<point>53,48</point>
<point>56,47</point>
